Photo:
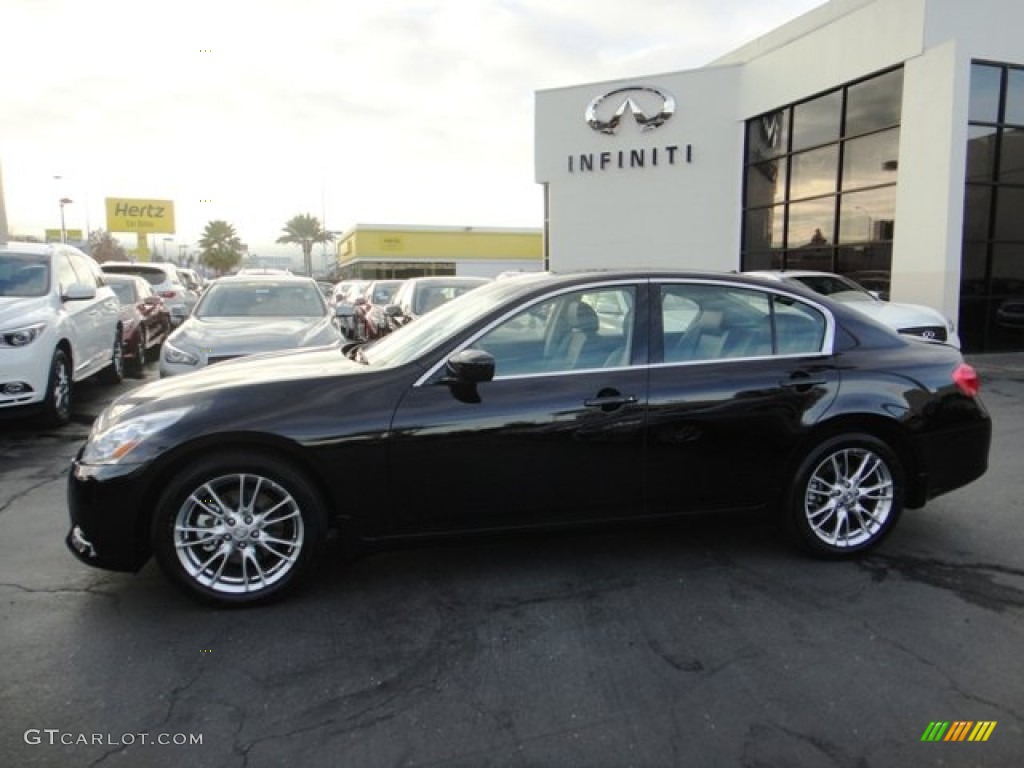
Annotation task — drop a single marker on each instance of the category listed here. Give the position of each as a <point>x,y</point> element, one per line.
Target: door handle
<point>801,380</point>
<point>609,402</point>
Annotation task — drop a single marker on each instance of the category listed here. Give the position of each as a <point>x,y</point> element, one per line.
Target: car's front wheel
<point>114,373</point>
<point>138,362</point>
<point>57,404</point>
<point>239,529</point>
<point>846,496</point>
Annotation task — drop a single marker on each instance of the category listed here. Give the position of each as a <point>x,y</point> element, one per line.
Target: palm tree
<point>221,247</point>
<point>305,230</point>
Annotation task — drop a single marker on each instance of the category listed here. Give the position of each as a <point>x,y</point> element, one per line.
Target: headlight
<point>21,337</point>
<point>112,445</point>
<point>173,354</point>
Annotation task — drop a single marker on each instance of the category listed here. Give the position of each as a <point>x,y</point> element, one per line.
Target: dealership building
<point>881,139</point>
<point>380,252</point>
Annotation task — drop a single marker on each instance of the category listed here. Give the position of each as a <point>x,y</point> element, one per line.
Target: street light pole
<point>63,230</point>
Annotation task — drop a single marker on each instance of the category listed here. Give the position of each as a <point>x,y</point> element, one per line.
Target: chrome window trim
<point>826,350</point>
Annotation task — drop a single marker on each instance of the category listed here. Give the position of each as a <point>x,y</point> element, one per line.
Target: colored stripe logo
<point>959,730</point>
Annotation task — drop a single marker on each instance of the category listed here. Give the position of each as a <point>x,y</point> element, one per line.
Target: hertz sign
<point>142,216</point>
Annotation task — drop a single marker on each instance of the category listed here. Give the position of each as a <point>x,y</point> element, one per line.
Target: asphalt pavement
<point>708,642</point>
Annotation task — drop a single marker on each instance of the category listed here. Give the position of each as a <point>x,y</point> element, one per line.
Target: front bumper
<point>109,519</point>
<point>29,366</point>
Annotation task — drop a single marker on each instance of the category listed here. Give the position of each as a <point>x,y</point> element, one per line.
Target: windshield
<point>124,292</point>
<point>266,298</point>
<point>24,275</point>
<point>427,332</point>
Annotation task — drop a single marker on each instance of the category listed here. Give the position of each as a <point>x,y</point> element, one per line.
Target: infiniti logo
<point>605,118</point>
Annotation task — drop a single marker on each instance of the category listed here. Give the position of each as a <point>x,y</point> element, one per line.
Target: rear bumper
<point>950,459</point>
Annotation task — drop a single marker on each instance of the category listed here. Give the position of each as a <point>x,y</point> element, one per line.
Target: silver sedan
<point>243,315</point>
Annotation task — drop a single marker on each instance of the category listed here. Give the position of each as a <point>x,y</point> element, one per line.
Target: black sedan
<point>542,401</point>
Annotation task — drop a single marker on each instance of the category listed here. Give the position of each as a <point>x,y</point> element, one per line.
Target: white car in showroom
<point>59,324</point>
<point>910,319</point>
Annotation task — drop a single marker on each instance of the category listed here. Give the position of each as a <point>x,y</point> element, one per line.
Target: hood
<point>270,368</point>
<point>224,336</point>
<point>16,311</point>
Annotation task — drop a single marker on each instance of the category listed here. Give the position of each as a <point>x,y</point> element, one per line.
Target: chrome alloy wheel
<point>61,394</point>
<point>238,533</point>
<point>849,497</point>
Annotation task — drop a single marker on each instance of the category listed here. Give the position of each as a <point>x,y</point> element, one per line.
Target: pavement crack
<point>46,480</point>
<point>972,582</point>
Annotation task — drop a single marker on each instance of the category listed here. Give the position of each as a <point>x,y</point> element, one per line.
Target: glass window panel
<point>817,121</point>
<point>977,207</point>
<point>706,322</point>
<point>867,216</point>
<point>1015,97</point>
<point>1006,328</point>
<point>985,84</point>
<point>763,260</point>
<point>811,223</point>
<point>763,228</point>
<point>1008,269</point>
<point>874,103</point>
<point>1011,156</point>
<point>1009,224</point>
<point>871,160</point>
<point>870,265</point>
<point>766,183</point>
<point>971,323</point>
<point>768,136</point>
<point>821,259</point>
<point>981,152</point>
<point>814,173</point>
<point>974,261</point>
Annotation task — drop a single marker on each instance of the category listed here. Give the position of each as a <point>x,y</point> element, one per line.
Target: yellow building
<point>370,251</point>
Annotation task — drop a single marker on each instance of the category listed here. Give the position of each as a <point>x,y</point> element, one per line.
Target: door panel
<point>533,451</point>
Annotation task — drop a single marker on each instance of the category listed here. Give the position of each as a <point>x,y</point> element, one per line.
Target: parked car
<point>246,314</point>
<point>369,319</point>
<point>166,281</point>
<point>510,408</point>
<point>59,324</point>
<point>911,319</point>
<point>419,295</point>
<point>192,280</point>
<point>145,320</point>
<point>345,291</point>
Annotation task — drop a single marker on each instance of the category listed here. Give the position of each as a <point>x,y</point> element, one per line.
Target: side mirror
<point>471,366</point>
<point>79,292</point>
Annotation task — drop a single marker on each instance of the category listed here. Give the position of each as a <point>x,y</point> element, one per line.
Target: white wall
<point>683,215</point>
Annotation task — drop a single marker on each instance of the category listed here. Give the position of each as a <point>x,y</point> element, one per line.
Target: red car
<point>144,316</point>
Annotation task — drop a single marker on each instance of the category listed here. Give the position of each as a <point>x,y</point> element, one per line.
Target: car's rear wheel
<point>114,373</point>
<point>138,362</point>
<point>846,496</point>
<point>238,530</point>
<point>57,404</point>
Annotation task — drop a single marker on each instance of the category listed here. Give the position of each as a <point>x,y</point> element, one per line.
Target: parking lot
<point>706,642</point>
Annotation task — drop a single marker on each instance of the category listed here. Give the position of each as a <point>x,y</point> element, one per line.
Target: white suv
<point>59,324</point>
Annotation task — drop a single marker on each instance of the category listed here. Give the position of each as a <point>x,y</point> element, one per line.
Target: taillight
<point>967,380</point>
<point>167,294</point>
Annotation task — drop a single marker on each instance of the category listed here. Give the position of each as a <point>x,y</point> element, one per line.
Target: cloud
<point>393,111</point>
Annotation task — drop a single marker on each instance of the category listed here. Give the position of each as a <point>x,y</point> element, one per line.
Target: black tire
<point>846,496</point>
<point>137,365</point>
<point>59,391</point>
<point>114,373</point>
<point>228,550</point>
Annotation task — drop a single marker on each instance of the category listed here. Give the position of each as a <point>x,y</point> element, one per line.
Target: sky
<point>397,112</point>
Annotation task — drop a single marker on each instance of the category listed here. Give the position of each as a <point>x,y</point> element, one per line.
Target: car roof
<point>158,265</point>
<point>258,279</point>
<point>36,249</point>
